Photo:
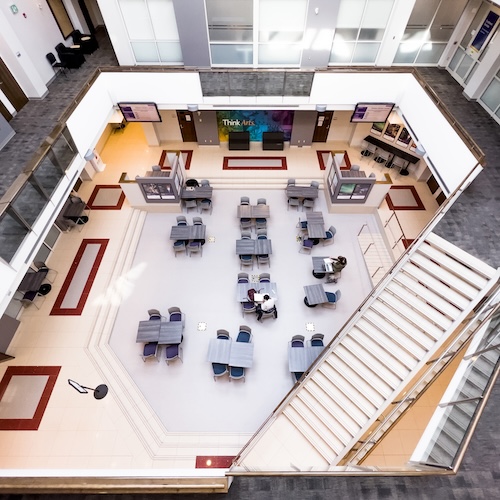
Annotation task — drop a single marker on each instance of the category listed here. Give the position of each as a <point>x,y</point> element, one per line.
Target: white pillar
<point>394,31</point>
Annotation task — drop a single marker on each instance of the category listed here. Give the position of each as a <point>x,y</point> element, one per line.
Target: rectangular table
<point>248,246</point>
<point>194,232</point>
<point>315,294</point>
<point>242,290</point>
<point>197,193</point>
<point>352,173</point>
<point>319,266</point>
<point>148,331</point>
<point>301,358</point>
<point>315,225</point>
<point>254,211</point>
<point>302,192</point>
<point>229,352</point>
<point>163,332</point>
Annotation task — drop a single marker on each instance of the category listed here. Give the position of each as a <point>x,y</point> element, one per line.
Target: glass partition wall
<point>21,212</point>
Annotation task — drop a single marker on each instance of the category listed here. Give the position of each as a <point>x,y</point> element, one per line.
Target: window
<point>360,30</point>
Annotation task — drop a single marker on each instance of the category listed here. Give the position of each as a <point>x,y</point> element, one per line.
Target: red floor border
<point>214,462</point>
<point>56,309</point>
<point>420,205</point>
<point>322,165</point>
<point>187,152</point>
<point>225,163</point>
<point>28,424</point>
<point>93,196</point>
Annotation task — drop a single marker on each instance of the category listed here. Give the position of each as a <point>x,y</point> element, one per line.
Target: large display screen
<point>139,111</point>
<point>371,112</point>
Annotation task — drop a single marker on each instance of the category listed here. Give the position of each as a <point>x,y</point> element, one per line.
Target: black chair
<point>71,58</point>
<point>58,67</point>
<point>88,43</point>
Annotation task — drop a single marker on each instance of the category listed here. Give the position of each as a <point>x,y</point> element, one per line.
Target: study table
<point>319,267</point>
<point>163,332</point>
<point>249,246</point>
<point>302,192</point>
<point>315,294</point>
<point>229,352</point>
<point>253,212</point>
<point>315,225</point>
<point>270,289</point>
<point>194,232</point>
<point>197,193</point>
<point>301,358</point>
<point>392,149</point>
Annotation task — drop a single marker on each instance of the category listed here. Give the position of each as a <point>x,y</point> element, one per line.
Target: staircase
<point>456,419</point>
<point>431,292</point>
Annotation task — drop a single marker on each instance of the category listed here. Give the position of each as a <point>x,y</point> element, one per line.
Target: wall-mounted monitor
<point>371,112</point>
<point>139,111</point>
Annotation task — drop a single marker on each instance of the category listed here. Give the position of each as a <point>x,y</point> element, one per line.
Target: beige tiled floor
<point>122,431</point>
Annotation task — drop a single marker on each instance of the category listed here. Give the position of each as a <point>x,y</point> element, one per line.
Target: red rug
<point>254,163</point>
<point>74,294</point>
<point>106,197</point>
<point>404,198</point>
<point>18,415</point>
<point>187,153</point>
<point>215,462</point>
<point>346,164</point>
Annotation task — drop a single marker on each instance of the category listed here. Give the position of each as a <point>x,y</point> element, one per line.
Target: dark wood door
<point>186,124</point>
<point>86,15</point>
<point>322,126</point>
<point>11,89</point>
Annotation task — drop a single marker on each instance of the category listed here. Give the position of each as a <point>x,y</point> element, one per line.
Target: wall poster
<point>404,138</point>
<point>391,131</point>
<point>377,128</point>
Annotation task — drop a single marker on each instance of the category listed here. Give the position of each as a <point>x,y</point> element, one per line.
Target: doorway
<point>186,124</point>
<point>12,91</point>
<point>86,15</point>
<point>322,128</point>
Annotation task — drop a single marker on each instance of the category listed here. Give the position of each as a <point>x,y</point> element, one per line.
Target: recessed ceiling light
<point>202,326</point>
<point>310,327</point>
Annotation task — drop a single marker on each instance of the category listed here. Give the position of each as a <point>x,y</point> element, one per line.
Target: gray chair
<point>293,202</point>
<point>243,278</point>
<point>263,259</point>
<point>291,182</point>
<point>261,234</point>
<point>179,246</point>
<point>297,341</point>
<point>190,204</point>
<point>205,205</point>
<point>246,261</point>
<point>399,163</point>
<point>154,314</point>
<point>181,220</point>
<point>355,168</point>
<point>42,267</point>
<point>195,246</point>
<point>156,168</point>
<point>223,334</point>
<point>244,200</point>
<point>367,149</point>
<point>261,201</point>
<point>175,314</point>
<point>197,221</point>
<point>264,278</point>
<point>260,223</point>
<point>245,223</point>
<point>205,183</point>
<point>381,157</point>
<point>315,184</point>
<point>248,307</point>
<point>246,235</point>
<point>308,203</point>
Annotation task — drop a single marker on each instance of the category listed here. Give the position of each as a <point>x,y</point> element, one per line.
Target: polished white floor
<point>158,416</point>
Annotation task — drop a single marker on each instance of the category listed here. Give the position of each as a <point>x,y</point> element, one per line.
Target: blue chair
<point>333,298</point>
<point>317,340</point>
<point>306,246</point>
<point>246,260</point>
<point>150,350</point>
<point>248,307</point>
<point>236,373</point>
<point>205,204</point>
<point>264,278</point>
<point>329,236</point>
<point>179,246</point>
<point>245,334</point>
<point>173,351</point>
<point>175,314</point>
<point>154,314</point>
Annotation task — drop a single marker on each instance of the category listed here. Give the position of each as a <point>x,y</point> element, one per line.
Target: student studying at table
<point>266,306</point>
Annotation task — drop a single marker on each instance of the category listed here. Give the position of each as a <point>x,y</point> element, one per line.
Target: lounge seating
<point>71,58</point>
<point>87,42</point>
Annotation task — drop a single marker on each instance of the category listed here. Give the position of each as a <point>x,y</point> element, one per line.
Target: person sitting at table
<point>338,263</point>
<point>267,306</point>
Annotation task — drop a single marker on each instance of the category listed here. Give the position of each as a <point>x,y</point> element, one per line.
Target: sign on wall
<point>255,122</point>
<point>485,31</point>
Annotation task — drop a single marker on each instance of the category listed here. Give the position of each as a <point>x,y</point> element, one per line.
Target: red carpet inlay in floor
<point>404,198</point>
<point>78,283</point>
<point>254,163</point>
<point>106,197</point>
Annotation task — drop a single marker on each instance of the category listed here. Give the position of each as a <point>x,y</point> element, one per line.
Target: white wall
<point>168,129</point>
<point>341,128</point>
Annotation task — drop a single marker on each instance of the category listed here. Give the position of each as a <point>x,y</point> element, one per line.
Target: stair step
<point>458,268</point>
<point>334,436</point>
<point>428,295</point>
<point>308,433</point>
<point>343,418</point>
<point>420,305</point>
<point>360,376</point>
<point>386,341</point>
<point>444,275</point>
<point>453,296</point>
<point>381,366</point>
<point>478,265</point>
<point>339,397</point>
<point>343,384</point>
<point>411,314</point>
<point>417,336</point>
